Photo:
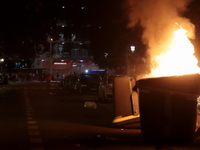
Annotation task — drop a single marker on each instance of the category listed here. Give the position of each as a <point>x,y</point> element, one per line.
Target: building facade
<point>68,52</point>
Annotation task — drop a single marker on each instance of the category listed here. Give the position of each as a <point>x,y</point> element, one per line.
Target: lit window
<point>59,63</point>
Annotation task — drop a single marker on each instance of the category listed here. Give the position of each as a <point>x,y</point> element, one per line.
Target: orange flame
<point>179,58</point>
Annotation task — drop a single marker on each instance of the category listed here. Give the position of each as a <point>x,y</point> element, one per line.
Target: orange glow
<point>177,59</point>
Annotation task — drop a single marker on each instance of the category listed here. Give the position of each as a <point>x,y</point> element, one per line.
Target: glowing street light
<point>1,61</point>
<point>51,40</point>
<point>132,49</point>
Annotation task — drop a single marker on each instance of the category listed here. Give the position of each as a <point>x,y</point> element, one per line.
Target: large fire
<point>178,59</point>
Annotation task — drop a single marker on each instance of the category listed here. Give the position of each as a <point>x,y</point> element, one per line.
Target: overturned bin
<point>168,107</point>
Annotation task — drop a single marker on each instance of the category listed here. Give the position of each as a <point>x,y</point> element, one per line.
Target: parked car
<point>106,87</point>
<point>88,83</point>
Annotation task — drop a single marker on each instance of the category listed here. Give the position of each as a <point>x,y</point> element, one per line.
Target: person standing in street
<point>49,78</point>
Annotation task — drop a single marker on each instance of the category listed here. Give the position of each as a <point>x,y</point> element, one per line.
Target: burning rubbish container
<point>168,107</point>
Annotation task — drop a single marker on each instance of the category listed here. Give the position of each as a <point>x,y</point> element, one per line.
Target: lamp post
<point>128,60</point>
<point>1,61</point>
<point>51,40</point>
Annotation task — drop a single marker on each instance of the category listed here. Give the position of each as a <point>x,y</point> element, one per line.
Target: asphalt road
<point>43,116</point>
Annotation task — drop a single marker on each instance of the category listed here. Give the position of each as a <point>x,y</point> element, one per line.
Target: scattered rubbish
<point>90,105</point>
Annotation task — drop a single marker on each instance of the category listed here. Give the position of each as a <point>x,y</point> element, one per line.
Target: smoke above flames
<point>159,19</point>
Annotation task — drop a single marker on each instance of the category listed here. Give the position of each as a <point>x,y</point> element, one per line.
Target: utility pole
<point>128,59</point>
<point>51,40</point>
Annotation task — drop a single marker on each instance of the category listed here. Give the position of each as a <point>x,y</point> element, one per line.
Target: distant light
<point>62,60</point>
<point>80,43</point>
<point>100,27</point>
<point>63,42</point>
<point>81,60</point>
<point>42,59</point>
<point>51,39</point>
<point>106,55</point>
<point>86,71</point>
<point>132,49</point>
<point>51,27</point>
<point>63,6</point>
<point>82,7</point>
<point>23,42</point>
<point>63,26</point>
<point>74,65</point>
<point>22,59</point>
<point>59,63</point>
<point>2,60</point>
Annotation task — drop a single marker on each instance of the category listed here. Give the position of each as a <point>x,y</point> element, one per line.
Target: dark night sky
<point>29,21</point>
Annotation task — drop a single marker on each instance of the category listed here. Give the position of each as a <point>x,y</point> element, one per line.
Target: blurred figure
<point>49,78</point>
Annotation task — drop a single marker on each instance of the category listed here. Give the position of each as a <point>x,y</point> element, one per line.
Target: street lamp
<point>128,59</point>
<point>1,61</point>
<point>132,49</point>
<point>51,40</point>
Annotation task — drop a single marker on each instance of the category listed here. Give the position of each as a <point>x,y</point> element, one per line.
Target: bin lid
<point>184,83</point>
